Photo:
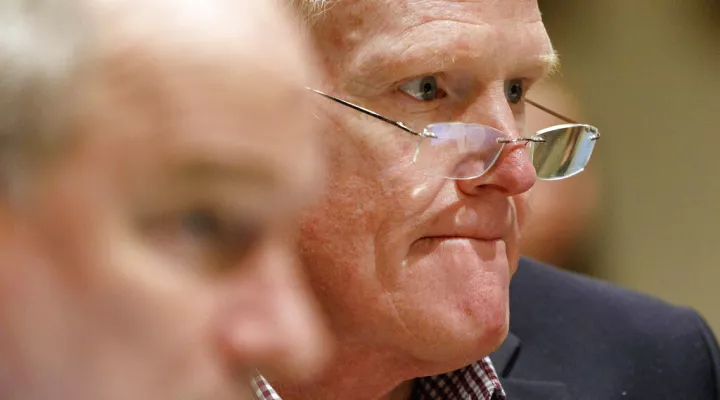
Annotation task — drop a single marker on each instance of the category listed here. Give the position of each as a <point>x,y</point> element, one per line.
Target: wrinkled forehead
<point>374,14</point>
<point>366,36</point>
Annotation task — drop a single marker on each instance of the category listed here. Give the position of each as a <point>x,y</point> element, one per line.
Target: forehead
<point>378,12</point>
<point>382,36</point>
<point>223,103</point>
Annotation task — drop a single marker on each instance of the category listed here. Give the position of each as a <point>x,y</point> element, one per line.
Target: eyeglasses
<point>456,150</point>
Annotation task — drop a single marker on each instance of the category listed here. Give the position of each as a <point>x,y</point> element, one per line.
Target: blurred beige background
<point>647,73</point>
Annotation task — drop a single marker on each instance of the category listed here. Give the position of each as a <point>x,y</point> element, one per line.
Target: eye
<point>223,234</point>
<point>423,89</point>
<point>201,224</point>
<point>203,237</point>
<point>514,91</point>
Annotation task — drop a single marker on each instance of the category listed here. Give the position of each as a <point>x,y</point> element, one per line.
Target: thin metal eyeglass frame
<point>431,135</point>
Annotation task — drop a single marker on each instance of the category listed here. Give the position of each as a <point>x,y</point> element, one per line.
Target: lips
<point>480,238</point>
<point>458,237</point>
<point>490,220</point>
<point>456,249</point>
<point>489,230</point>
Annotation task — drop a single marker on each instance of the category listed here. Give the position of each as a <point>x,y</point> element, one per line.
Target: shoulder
<point>541,292</point>
<point>565,319</point>
<point>574,292</point>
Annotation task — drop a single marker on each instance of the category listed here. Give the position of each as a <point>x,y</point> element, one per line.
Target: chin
<point>452,298</point>
<point>452,332</point>
<point>470,337</point>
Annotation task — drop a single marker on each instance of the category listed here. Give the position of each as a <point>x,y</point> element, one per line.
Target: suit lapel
<point>504,357</point>
<point>518,388</point>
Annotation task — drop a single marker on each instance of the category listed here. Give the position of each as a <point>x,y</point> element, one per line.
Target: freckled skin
<point>401,305</point>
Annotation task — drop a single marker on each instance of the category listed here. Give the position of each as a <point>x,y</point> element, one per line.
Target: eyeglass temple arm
<point>595,135</point>
<point>366,111</point>
<point>406,129</point>
<point>551,112</point>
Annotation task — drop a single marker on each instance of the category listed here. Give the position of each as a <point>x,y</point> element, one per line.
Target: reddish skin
<point>404,303</point>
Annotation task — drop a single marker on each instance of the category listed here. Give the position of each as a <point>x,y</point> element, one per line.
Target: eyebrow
<point>551,61</point>
<point>243,188</point>
<point>208,172</point>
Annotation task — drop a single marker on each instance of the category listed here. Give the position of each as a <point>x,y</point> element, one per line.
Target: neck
<point>356,374</point>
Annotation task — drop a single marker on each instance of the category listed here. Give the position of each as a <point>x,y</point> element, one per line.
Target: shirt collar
<point>477,381</point>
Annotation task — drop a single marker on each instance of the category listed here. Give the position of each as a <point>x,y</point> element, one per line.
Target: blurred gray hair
<point>42,43</point>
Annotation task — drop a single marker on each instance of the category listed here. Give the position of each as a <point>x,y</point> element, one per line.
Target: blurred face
<point>153,261</point>
<point>404,261</point>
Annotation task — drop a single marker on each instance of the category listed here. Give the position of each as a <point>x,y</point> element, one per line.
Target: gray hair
<point>311,11</point>
<point>41,47</point>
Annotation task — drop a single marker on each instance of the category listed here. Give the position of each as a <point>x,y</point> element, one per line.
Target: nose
<point>274,324</point>
<point>513,173</point>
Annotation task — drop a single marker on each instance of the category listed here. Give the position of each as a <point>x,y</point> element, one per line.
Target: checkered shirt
<point>474,382</point>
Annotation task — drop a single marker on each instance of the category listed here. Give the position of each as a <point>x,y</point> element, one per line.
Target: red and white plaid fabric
<point>474,382</point>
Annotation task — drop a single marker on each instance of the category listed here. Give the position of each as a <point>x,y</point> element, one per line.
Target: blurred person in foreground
<point>412,249</point>
<point>561,224</point>
<point>148,197</point>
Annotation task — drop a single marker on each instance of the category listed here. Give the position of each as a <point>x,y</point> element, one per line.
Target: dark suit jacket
<point>576,338</point>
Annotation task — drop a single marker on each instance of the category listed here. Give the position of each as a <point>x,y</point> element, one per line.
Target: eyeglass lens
<point>565,151</point>
<point>467,151</point>
<point>458,150</point>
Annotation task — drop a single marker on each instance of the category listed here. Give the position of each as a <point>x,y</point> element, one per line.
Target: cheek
<point>72,233</point>
<point>374,190</point>
<point>119,294</point>
<point>371,188</point>
<point>106,262</point>
<point>162,312</point>
<point>344,220</point>
<point>372,195</point>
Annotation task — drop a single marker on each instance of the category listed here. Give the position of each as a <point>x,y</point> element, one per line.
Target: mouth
<point>463,252</point>
<point>467,229</point>
<point>429,243</point>
<point>455,237</point>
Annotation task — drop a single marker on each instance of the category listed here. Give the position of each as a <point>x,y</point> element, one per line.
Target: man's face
<point>403,261</point>
<point>154,260</point>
